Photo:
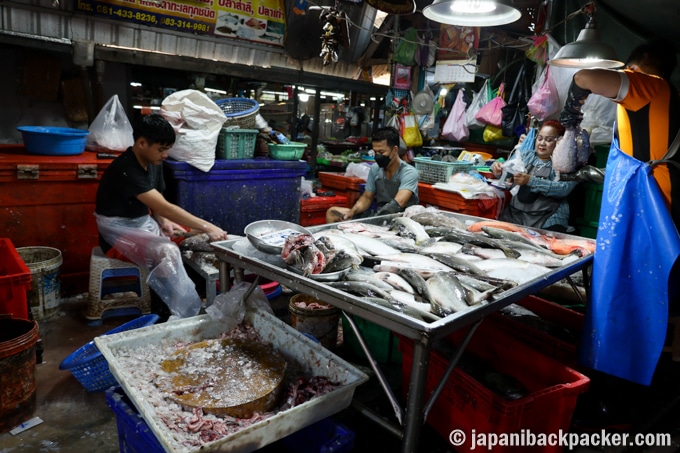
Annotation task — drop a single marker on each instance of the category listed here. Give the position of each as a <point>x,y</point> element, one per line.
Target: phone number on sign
<point>185,24</point>
<point>127,14</point>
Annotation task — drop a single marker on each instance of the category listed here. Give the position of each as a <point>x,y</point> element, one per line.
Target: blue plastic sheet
<point>636,247</point>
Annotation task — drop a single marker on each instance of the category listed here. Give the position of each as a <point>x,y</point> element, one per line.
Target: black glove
<point>571,115</point>
<point>390,208</point>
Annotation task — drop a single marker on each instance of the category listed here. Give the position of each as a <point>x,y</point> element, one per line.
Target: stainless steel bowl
<point>269,235</point>
<point>329,277</point>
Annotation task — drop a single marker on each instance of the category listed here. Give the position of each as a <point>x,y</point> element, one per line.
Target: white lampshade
<point>472,13</point>
<point>586,52</point>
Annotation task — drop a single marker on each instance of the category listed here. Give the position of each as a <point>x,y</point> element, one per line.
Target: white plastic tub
<point>293,344</point>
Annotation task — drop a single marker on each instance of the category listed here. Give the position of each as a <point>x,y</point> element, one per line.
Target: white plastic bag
<point>197,121</point>
<point>455,127</point>
<point>355,170</point>
<point>479,100</point>
<point>111,129</point>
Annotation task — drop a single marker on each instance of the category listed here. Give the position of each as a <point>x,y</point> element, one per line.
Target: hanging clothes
<point>626,319</point>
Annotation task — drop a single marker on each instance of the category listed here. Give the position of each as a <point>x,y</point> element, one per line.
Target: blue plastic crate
<point>235,193</point>
<point>88,365</point>
<point>134,435</point>
<point>325,436</point>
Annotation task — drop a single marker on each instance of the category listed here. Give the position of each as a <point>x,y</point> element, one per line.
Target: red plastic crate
<point>342,185</point>
<point>560,349</point>
<point>466,404</point>
<point>313,210</point>
<point>450,201</point>
<point>15,281</point>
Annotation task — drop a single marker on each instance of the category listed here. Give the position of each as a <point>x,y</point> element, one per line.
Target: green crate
<point>236,144</point>
<point>593,202</point>
<point>601,155</point>
<point>433,171</point>
<point>588,230</point>
<point>382,343</point>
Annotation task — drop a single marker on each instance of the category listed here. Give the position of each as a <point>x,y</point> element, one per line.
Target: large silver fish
<point>395,281</point>
<point>370,245</point>
<point>412,228</point>
<point>369,278</point>
<point>448,294</point>
<point>417,282</point>
<point>341,260</point>
<point>416,260</point>
<point>363,289</point>
<point>442,247</point>
<point>512,269</point>
<point>481,240</point>
<point>457,263</point>
<point>435,219</point>
<point>564,157</point>
<point>399,266</point>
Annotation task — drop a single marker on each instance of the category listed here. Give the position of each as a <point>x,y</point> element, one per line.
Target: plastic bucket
<point>321,323</point>
<point>45,266</point>
<point>18,338</point>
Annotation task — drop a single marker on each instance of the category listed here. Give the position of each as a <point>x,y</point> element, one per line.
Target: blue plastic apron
<point>637,245</point>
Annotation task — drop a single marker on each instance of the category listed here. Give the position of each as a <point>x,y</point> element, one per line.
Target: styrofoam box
<point>294,345</point>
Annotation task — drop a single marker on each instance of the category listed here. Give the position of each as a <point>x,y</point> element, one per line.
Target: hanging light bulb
<point>473,13</point>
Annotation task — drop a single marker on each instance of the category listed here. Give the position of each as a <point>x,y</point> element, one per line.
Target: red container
<point>342,185</point>
<point>561,349</point>
<point>468,405</point>
<point>50,200</point>
<point>15,281</point>
<point>313,210</point>
<point>450,201</point>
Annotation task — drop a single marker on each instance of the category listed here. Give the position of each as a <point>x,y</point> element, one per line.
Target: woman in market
<point>541,201</point>
<point>392,182</point>
<point>135,221</point>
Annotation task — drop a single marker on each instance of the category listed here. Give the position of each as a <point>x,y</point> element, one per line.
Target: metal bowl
<point>269,235</point>
<point>329,277</point>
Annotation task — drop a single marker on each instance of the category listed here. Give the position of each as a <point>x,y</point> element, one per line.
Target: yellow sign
<point>253,20</point>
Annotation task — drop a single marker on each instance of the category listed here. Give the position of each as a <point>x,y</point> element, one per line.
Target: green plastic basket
<point>289,151</point>
<point>236,144</point>
<point>434,171</point>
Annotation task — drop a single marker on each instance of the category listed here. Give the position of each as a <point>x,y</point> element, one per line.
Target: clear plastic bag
<point>111,129</point>
<point>230,307</point>
<point>479,100</point>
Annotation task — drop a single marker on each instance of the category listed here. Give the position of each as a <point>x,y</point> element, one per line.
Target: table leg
<point>225,277</point>
<point>416,396</point>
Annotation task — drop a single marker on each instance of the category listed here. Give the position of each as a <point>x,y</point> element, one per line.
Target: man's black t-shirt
<point>121,182</point>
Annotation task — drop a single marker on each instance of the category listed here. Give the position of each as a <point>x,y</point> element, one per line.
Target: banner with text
<point>257,20</point>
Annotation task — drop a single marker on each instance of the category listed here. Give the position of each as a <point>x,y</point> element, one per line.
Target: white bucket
<point>45,293</point>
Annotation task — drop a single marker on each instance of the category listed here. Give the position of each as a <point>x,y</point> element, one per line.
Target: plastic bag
<point>405,52</point>
<point>111,128</point>
<point>140,240</point>
<point>479,100</point>
<point>410,132</point>
<point>197,121</point>
<point>545,101</point>
<point>491,113</point>
<point>355,170</point>
<point>455,127</point>
<point>230,308</point>
<point>492,133</point>
<point>538,52</point>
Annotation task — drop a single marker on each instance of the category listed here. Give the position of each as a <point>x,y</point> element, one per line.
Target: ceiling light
<point>472,13</point>
<point>588,51</point>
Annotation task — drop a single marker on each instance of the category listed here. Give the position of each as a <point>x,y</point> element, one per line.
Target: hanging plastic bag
<point>538,52</point>
<point>492,134</point>
<point>514,113</point>
<point>197,121</point>
<point>407,47</point>
<point>545,101</point>
<point>410,132</point>
<point>455,127</point>
<point>479,100</point>
<point>111,129</point>
<point>491,113</point>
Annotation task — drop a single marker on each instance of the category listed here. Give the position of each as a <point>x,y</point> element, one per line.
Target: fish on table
<point>448,294</point>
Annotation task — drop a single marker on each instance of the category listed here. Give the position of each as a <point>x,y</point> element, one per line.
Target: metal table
<point>422,333</point>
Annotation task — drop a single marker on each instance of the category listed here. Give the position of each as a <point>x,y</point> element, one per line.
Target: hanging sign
<point>253,20</point>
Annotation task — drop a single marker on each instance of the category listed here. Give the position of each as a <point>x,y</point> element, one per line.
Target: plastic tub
<point>53,141</point>
<point>289,151</point>
<point>44,296</point>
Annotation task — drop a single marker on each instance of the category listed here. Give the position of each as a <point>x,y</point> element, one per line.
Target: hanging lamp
<point>472,13</point>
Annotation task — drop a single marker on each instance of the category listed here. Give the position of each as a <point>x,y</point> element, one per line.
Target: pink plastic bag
<point>491,112</point>
<point>545,101</point>
<point>455,128</point>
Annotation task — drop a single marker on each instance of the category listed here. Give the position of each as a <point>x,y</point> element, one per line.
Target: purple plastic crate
<point>235,193</point>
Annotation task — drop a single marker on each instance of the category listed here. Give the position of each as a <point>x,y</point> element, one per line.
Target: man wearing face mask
<point>392,182</point>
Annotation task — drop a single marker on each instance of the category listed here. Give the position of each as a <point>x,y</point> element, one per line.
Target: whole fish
<point>398,266</point>
<point>367,278</point>
<point>433,231</point>
<point>371,246</point>
<point>512,236</point>
<point>395,281</point>
<point>431,218</point>
<point>456,263</point>
<point>476,296</point>
<point>512,269</point>
<point>477,226</point>
<point>341,243</point>
<point>448,294</point>
<point>417,282</point>
<point>582,147</point>
<point>341,260</point>
<point>416,260</point>
<point>358,227</point>
<point>536,257</point>
<point>564,157</point>
<point>442,247</point>
<point>424,309</point>
<point>325,245</point>
<point>402,308</point>
<point>363,289</point>
<point>411,228</point>
<point>482,252</point>
<point>400,243</point>
<point>464,237</point>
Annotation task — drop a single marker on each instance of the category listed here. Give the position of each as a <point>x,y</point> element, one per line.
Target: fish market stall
<point>423,330</point>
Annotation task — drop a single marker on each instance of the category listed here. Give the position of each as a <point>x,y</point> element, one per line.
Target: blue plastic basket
<point>134,434</point>
<point>89,366</point>
<point>53,141</point>
<point>239,111</point>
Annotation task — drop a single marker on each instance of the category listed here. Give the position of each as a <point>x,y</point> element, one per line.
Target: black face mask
<point>382,161</point>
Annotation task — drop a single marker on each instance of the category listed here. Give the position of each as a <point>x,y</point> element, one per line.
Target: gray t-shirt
<point>406,177</point>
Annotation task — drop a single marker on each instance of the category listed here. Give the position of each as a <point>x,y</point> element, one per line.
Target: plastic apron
<point>636,247</point>
<point>386,190</point>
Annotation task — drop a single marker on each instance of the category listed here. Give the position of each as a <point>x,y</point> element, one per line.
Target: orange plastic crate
<point>449,201</point>
<point>313,210</point>
<point>342,185</point>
